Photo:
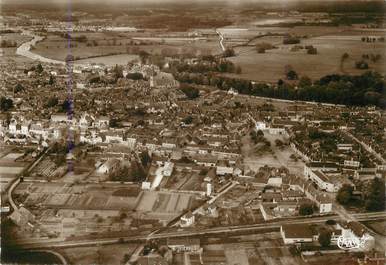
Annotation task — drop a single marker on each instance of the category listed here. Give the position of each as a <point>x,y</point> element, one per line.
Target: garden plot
<point>57,199</point>
<point>119,202</point>
<point>163,202</point>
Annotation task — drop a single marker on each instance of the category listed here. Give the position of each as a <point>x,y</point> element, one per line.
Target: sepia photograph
<point>192,132</point>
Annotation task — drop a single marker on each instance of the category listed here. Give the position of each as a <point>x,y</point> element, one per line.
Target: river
<point>109,60</point>
<point>25,49</point>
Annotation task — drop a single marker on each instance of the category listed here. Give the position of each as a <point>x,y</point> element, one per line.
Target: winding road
<point>221,40</point>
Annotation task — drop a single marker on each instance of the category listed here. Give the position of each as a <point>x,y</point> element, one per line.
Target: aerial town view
<point>188,132</point>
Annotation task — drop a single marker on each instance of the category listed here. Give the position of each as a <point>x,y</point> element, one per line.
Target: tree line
<point>357,90</point>
<point>372,199</point>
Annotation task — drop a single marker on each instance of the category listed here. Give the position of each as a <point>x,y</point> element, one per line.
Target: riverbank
<point>25,49</point>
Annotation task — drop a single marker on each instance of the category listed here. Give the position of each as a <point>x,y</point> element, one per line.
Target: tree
<point>190,91</point>
<point>344,194</point>
<point>279,143</point>
<point>7,44</point>
<point>305,81</point>
<point>125,258</point>
<point>345,56</point>
<point>39,68</point>
<point>203,172</point>
<point>18,88</point>
<point>118,71</point>
<point>66,105</point>
<point>143,55</point>
<point>137,172</point>
<point>293,157</point>
<point>99,257</point>
<point>260,50</point>
<point>238,70</point>
<point>121,174</point>
<point>51,81</point>
<point>6,104</point>
<point>262,47</point>
<point>306,209</point>
<point>311,50</point>
<point>188,120</point>
<point>145,158</point>
<point>291,40</point>
<point>324,238</point>
<point>93,78</point>
<point>290,72</point>
<point>52,102</point>
<point>375,197</point>
<point>134,76</point>
<point>292,75</point>
<point>229,52</point>
<point>361,65</point>
<point>114,123</point>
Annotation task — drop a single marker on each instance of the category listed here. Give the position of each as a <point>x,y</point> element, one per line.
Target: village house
<point>187,220</point>
<point>223,168</point>
<point>319,174</point>
<point>86,120</point>
<point>272,210</point>
<point>59,118</point>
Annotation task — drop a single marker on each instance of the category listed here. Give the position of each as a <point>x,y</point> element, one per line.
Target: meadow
<point>113,48</point>
<point>269,66</point>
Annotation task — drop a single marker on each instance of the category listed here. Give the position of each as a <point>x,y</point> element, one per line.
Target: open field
<point>76,197</point>
<point>112,255</point>
<point>277,158</point>
<point>16,37</point>
<point>269,66</point>
<point>10,167</point>
<point>378,227</point>
<point>9,54</point>
<point>109,60</point>
<point>105,47</point>
<point>163,204</point>
<point>257,249</point>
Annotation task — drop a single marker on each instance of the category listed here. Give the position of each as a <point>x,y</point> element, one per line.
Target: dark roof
<point>357,228</point>
<point>297,231</point>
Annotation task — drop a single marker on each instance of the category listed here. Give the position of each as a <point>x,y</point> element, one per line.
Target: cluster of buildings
<point>308,234</point>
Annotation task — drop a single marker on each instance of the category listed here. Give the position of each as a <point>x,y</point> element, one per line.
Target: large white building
<point>321,179</point>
